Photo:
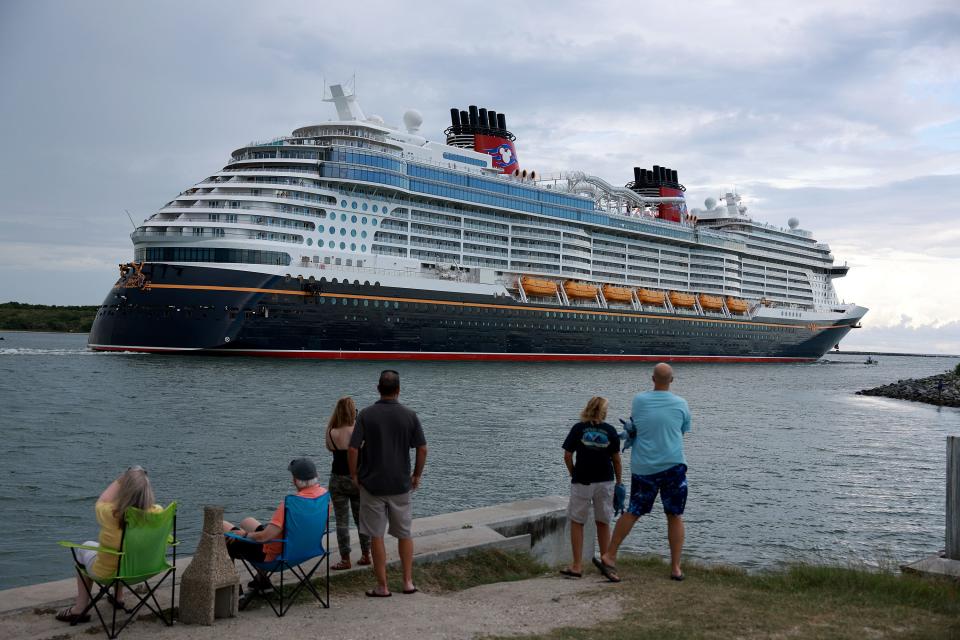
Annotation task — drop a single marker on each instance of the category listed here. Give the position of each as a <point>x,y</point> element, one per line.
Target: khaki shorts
<point>377,511</point>
<point>599,494</point>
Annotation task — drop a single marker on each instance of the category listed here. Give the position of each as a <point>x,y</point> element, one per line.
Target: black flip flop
<point>411,591</point>
<point>678,578</point>
<point>64,615</point>
<point>610,573</point>
<point>373,593</point>
<point>570,573</point>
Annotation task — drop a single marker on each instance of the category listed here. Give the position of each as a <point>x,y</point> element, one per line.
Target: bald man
<point>657,465</point>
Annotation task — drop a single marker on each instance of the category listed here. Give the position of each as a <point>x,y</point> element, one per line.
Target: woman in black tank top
<point>343,493</point>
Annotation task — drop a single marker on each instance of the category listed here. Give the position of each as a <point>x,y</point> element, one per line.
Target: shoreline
<point>926,390</point>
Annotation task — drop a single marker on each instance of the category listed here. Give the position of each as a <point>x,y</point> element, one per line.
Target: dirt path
<point>527,606</point>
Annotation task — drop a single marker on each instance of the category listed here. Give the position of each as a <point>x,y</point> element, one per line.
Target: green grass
<point>16,316</point>
<point>801,601</point>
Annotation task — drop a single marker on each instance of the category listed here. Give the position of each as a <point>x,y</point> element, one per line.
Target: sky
<point>844,115</point>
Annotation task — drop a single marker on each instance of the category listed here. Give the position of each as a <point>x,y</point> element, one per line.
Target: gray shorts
<point>599,494</point>
<point>377,511</point>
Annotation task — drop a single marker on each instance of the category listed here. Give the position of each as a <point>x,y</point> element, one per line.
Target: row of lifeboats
<point>613,293</point>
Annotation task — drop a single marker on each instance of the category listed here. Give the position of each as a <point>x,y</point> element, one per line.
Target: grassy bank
<point>16,316</point>
<point>800,602</point>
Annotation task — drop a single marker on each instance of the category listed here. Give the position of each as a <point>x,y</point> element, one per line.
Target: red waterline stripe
<point>418,355</point>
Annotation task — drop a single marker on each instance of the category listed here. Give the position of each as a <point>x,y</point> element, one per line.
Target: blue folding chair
<point>306,535</point>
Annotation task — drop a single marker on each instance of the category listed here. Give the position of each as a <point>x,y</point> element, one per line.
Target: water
<point>786,463</point>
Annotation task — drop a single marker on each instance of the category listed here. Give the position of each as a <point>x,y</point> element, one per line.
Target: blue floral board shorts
<point>670,483</point>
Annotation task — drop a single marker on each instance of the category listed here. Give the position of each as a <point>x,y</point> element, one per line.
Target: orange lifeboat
<point>579,289</point>
<point>649,296</point>
<point>678,299</point>
<point>617,294</point>
<point>736,305</point>
<point>711,303</point>
<point>538,286</point>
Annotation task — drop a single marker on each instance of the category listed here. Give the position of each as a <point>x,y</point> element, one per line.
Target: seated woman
<point>131,489</point>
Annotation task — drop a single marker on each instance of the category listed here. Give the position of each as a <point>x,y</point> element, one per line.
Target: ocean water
<point>786,462</point>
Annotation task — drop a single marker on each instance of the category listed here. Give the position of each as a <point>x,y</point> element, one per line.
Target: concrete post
<point>953,497</point>
<point>209,588</point>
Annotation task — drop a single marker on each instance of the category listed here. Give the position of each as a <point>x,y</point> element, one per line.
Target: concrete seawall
<point>537,526</point>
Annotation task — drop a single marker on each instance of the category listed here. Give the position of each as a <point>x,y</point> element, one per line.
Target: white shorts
<point>88,556</point>
<point>599,494</point>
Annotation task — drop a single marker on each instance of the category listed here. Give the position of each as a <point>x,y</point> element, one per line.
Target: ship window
<point>396,305</point>
<point>353,219</point>
<point>353,247</point>
<point>373,222</point>
<point>331,244</point>
<point>343,301</point>
<point>333,301</point>
<point>343,231</point>
<point>353,233</point>
<point>364,219</point>
<point>363,247</point>
<point>353,204</point>
<point>343,203</point>
<point>343,245</point>
<point>309,242</point>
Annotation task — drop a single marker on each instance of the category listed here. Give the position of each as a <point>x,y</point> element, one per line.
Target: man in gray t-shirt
<point>387,430</point>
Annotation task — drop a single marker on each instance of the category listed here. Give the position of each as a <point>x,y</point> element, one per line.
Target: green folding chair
<point>143,555</point>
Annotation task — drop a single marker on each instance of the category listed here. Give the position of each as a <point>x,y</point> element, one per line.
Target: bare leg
<point>603,537</point>
<point>576,547</point>
<point>379,563</point>
<point>405,547</point>
<point>82,599</point>
<point>247,524</point>
<point>675,535</point>
<point>620,532</point>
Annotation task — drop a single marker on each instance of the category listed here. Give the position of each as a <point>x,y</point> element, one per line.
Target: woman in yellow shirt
<point>131,489</point>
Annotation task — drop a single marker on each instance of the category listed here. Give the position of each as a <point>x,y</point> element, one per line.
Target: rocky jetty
<point>923,389</point>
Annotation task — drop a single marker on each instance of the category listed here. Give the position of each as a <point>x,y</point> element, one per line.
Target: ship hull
<point>202,310</point>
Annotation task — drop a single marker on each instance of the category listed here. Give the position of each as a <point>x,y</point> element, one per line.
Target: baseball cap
<point>303,469</point>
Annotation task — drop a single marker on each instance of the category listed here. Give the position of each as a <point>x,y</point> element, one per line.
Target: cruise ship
<point>354,239</point>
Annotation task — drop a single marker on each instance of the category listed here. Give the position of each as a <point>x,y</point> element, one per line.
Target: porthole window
<point>343,245</point>
<point>343,203</point>
<point>374,222</point>
<point>353,205</point>
<point>363,220</point>
<point>364,206</point>
<point>331,244</point>
<point>353,219</point>
<point>309,242</point>
<point>353,233</point>
<point>363,247</point>
<point>353,247</point>
<point>374,208</point>
<point>333,229</point>
<point>333,301</point>
<point>363,234</point>
<point>343,231</point>
<point>333,216</point>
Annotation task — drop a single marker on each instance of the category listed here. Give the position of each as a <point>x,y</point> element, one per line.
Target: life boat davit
<point>538,286</point>
<point>679,299</point>
<point>736,305</point>
<point>617,294</point>
<point>711,303</point>
<point>579,290</point>
<point>649,296</point>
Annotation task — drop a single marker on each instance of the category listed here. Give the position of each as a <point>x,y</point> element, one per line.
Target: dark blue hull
<point>173,308</point>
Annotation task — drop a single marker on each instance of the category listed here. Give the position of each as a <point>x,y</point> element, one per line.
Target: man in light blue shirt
<point>657,465</point>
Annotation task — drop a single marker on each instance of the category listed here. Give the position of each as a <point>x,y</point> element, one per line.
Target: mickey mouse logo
<point>503,156</point>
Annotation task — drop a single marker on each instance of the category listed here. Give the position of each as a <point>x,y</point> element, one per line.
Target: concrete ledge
<point>934,566</point>
<point>537,526</point>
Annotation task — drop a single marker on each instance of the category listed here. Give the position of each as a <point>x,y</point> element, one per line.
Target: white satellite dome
<point>793,223</point>
<point>412,120</point>
<point>710,203</point>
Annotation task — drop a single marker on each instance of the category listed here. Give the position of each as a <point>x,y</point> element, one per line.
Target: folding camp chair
<point>305,536</point>
<point>142,556</point>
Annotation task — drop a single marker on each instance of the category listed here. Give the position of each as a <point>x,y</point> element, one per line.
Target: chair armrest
<point>231,534</point>
<point>71,545</point>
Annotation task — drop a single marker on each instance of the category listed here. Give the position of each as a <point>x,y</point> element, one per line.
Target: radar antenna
<point>346,103</point>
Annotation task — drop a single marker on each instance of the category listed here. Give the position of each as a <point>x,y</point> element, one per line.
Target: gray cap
<point>303,469</point>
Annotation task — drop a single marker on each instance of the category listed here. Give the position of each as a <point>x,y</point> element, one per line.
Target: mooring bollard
<point>209,588</point>
<point>953,497</point>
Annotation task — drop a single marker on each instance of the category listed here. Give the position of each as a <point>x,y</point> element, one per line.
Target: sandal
<point>570,573</point>
<point>609,572</point>
<point>67,615</point>
<point>373,593</point>
<point>363,561</point>
<point>342,565</point>
<point>117,604</point>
